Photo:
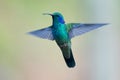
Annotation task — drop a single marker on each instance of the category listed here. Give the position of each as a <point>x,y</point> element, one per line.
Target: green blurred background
<point>25,57</point>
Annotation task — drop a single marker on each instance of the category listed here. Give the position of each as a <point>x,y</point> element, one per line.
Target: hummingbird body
<point>59,31</point>
<point>63,33</point>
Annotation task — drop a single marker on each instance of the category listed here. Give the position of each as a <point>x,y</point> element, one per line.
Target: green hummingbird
<point>62,33</point>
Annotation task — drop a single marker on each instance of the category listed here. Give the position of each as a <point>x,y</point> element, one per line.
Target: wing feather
<point>45,33</point>
<point>79,29</point>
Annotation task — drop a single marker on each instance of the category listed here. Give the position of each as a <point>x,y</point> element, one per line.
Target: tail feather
<point>70,61</point>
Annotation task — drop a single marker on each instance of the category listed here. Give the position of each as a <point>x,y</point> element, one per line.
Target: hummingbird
<point>62,33</point>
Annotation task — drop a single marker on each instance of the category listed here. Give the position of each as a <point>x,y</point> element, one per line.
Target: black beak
<point>47,14</point>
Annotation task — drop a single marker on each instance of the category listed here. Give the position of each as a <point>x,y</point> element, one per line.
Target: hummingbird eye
<point>57,15</point>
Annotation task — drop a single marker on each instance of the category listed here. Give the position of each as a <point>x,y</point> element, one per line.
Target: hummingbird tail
<point>70,61</point>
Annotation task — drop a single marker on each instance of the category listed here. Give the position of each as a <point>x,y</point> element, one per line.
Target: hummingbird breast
<point>60,34</point>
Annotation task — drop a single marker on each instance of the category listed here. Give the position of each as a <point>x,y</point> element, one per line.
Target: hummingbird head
<point>57,17</point>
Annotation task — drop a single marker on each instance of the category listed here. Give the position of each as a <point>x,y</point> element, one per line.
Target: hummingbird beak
<point>47,14</point>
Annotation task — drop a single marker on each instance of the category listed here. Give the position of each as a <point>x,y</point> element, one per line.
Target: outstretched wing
<point>45,33</point>
<point>79,29</point>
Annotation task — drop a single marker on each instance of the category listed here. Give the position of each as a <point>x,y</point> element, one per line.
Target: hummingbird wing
<point>75,29</point>
<point>45,33</point>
